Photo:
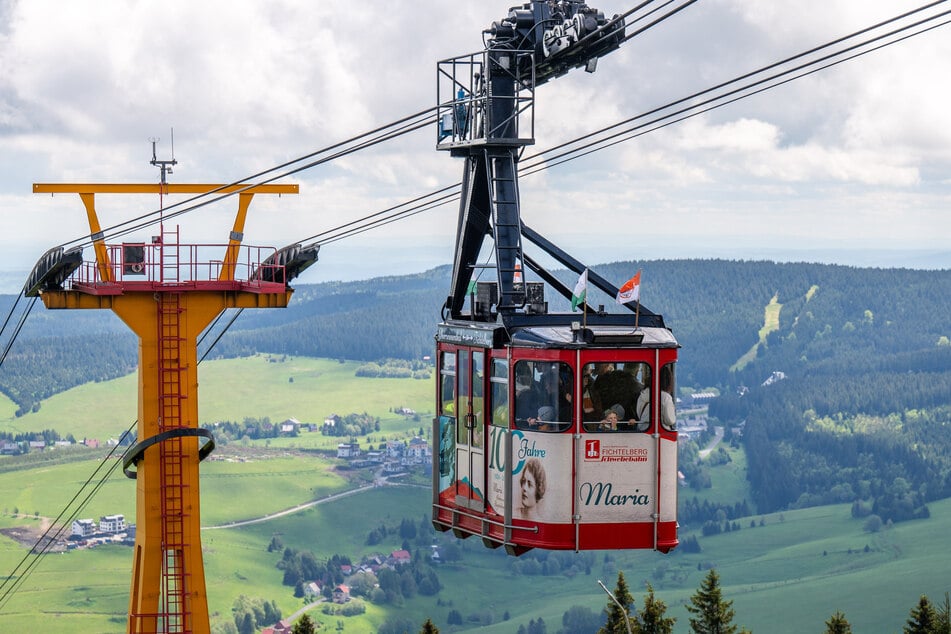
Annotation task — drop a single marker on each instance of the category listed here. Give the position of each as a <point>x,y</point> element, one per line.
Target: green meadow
<point>272,386</point>
<point>788,575</point>
<point>784,572</point>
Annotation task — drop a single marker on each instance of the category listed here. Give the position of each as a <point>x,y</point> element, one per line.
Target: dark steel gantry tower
<point>486,116</point>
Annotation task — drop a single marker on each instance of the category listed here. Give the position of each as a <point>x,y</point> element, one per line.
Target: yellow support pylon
<point>168,581</point>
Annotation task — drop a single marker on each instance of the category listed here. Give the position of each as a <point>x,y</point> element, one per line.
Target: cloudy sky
<point>849,165</point>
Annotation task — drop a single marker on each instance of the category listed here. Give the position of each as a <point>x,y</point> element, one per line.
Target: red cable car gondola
<point>555,435</point>
<point>554,431</point>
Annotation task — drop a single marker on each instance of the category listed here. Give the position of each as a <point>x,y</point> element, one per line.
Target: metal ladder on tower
<point>169,255</point>
<point>174,576</point>
<point>507,224</point>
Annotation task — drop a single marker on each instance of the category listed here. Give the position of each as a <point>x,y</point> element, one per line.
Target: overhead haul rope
<point>45,542</point>
<point>378,219</point>
<point>571,150</point>
<point>753,88</point>
<point>26,313</point>
<point>374,137</point>
<point>12,582</point>
<point>378,135</point>
<point>536,162</point>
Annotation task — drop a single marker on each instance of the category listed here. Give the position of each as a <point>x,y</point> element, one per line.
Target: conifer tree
<point>943,624</point>
<point>304,625</point>
<point>653,619</point>
<point>429,628</point>
<point>837,624</point>
<point>922,619</point>
<point>713,614</point>
<point>618,619</point>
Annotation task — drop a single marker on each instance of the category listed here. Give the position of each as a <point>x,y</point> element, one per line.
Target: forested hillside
<point>861,409</point>
<point>57,349</point>
<point>864,411</point>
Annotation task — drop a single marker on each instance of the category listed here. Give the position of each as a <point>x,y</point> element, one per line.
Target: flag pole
<point>584,313</point>
<point>584,304</point>
<point>637,309</point>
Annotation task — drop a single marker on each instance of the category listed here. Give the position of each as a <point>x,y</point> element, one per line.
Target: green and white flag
<point>581,290</point>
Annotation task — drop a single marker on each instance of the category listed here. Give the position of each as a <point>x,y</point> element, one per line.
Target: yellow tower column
<point>168,576</point>
<point>168,314</point>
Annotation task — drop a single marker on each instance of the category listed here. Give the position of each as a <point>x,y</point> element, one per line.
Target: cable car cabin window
<point>668,413</point>
<point>543,395</point>
<point>447,380</point>
<point>611,397</point>
<point>499,386</point>
<point>462,400</point>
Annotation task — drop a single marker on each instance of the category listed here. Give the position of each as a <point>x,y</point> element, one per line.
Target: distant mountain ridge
<point>715,308</point>
<point>859,414</point>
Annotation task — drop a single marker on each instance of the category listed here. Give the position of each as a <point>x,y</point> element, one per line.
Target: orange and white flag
<point>631,291</point>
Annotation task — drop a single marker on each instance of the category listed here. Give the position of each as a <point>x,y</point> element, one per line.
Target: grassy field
<point>788,575</point>
<point>770,323</point>
<point>234,389</point>
<point>729,484</point>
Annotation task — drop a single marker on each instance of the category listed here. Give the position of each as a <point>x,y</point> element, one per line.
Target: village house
<point>84,528</point>
<point>332,421</point>
<point>341,593</point>
<point>282,627</point>
<point>111,523</point>
<point>348,450</point>
<point>400,557</point>
<point>290,426</point>
<point>394,449</point>
<point>418,452</point>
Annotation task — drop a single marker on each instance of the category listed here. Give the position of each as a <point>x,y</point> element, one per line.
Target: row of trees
<point>351,425</point>
<point>251,427</point>
<point>810,443</point>
<point>396,369</point>
<point>831,310</point>
<point>710,613</point>
<point>250,614</point>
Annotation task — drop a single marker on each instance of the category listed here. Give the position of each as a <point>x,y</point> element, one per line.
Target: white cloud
<point>246,86</point>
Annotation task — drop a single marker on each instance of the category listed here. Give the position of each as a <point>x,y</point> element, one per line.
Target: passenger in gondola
<point>610,420</point>
<point>588,410</point>
<point>616,387</point>
<point>668,415</point>
<point>554,390</point>
<point>544,421</point>
<point>526,398</point>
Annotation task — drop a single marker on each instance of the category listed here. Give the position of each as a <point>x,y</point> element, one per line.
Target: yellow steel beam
<point>87,192</point>
<point>234,239</point>
<point>55,300</point>
<point>98,241</point>
<point>158,188</point>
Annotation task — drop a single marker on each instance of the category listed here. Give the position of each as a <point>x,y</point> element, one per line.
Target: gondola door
<point>470,430</point>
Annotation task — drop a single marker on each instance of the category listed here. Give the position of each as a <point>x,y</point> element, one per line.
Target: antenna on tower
<point>164,165</point>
